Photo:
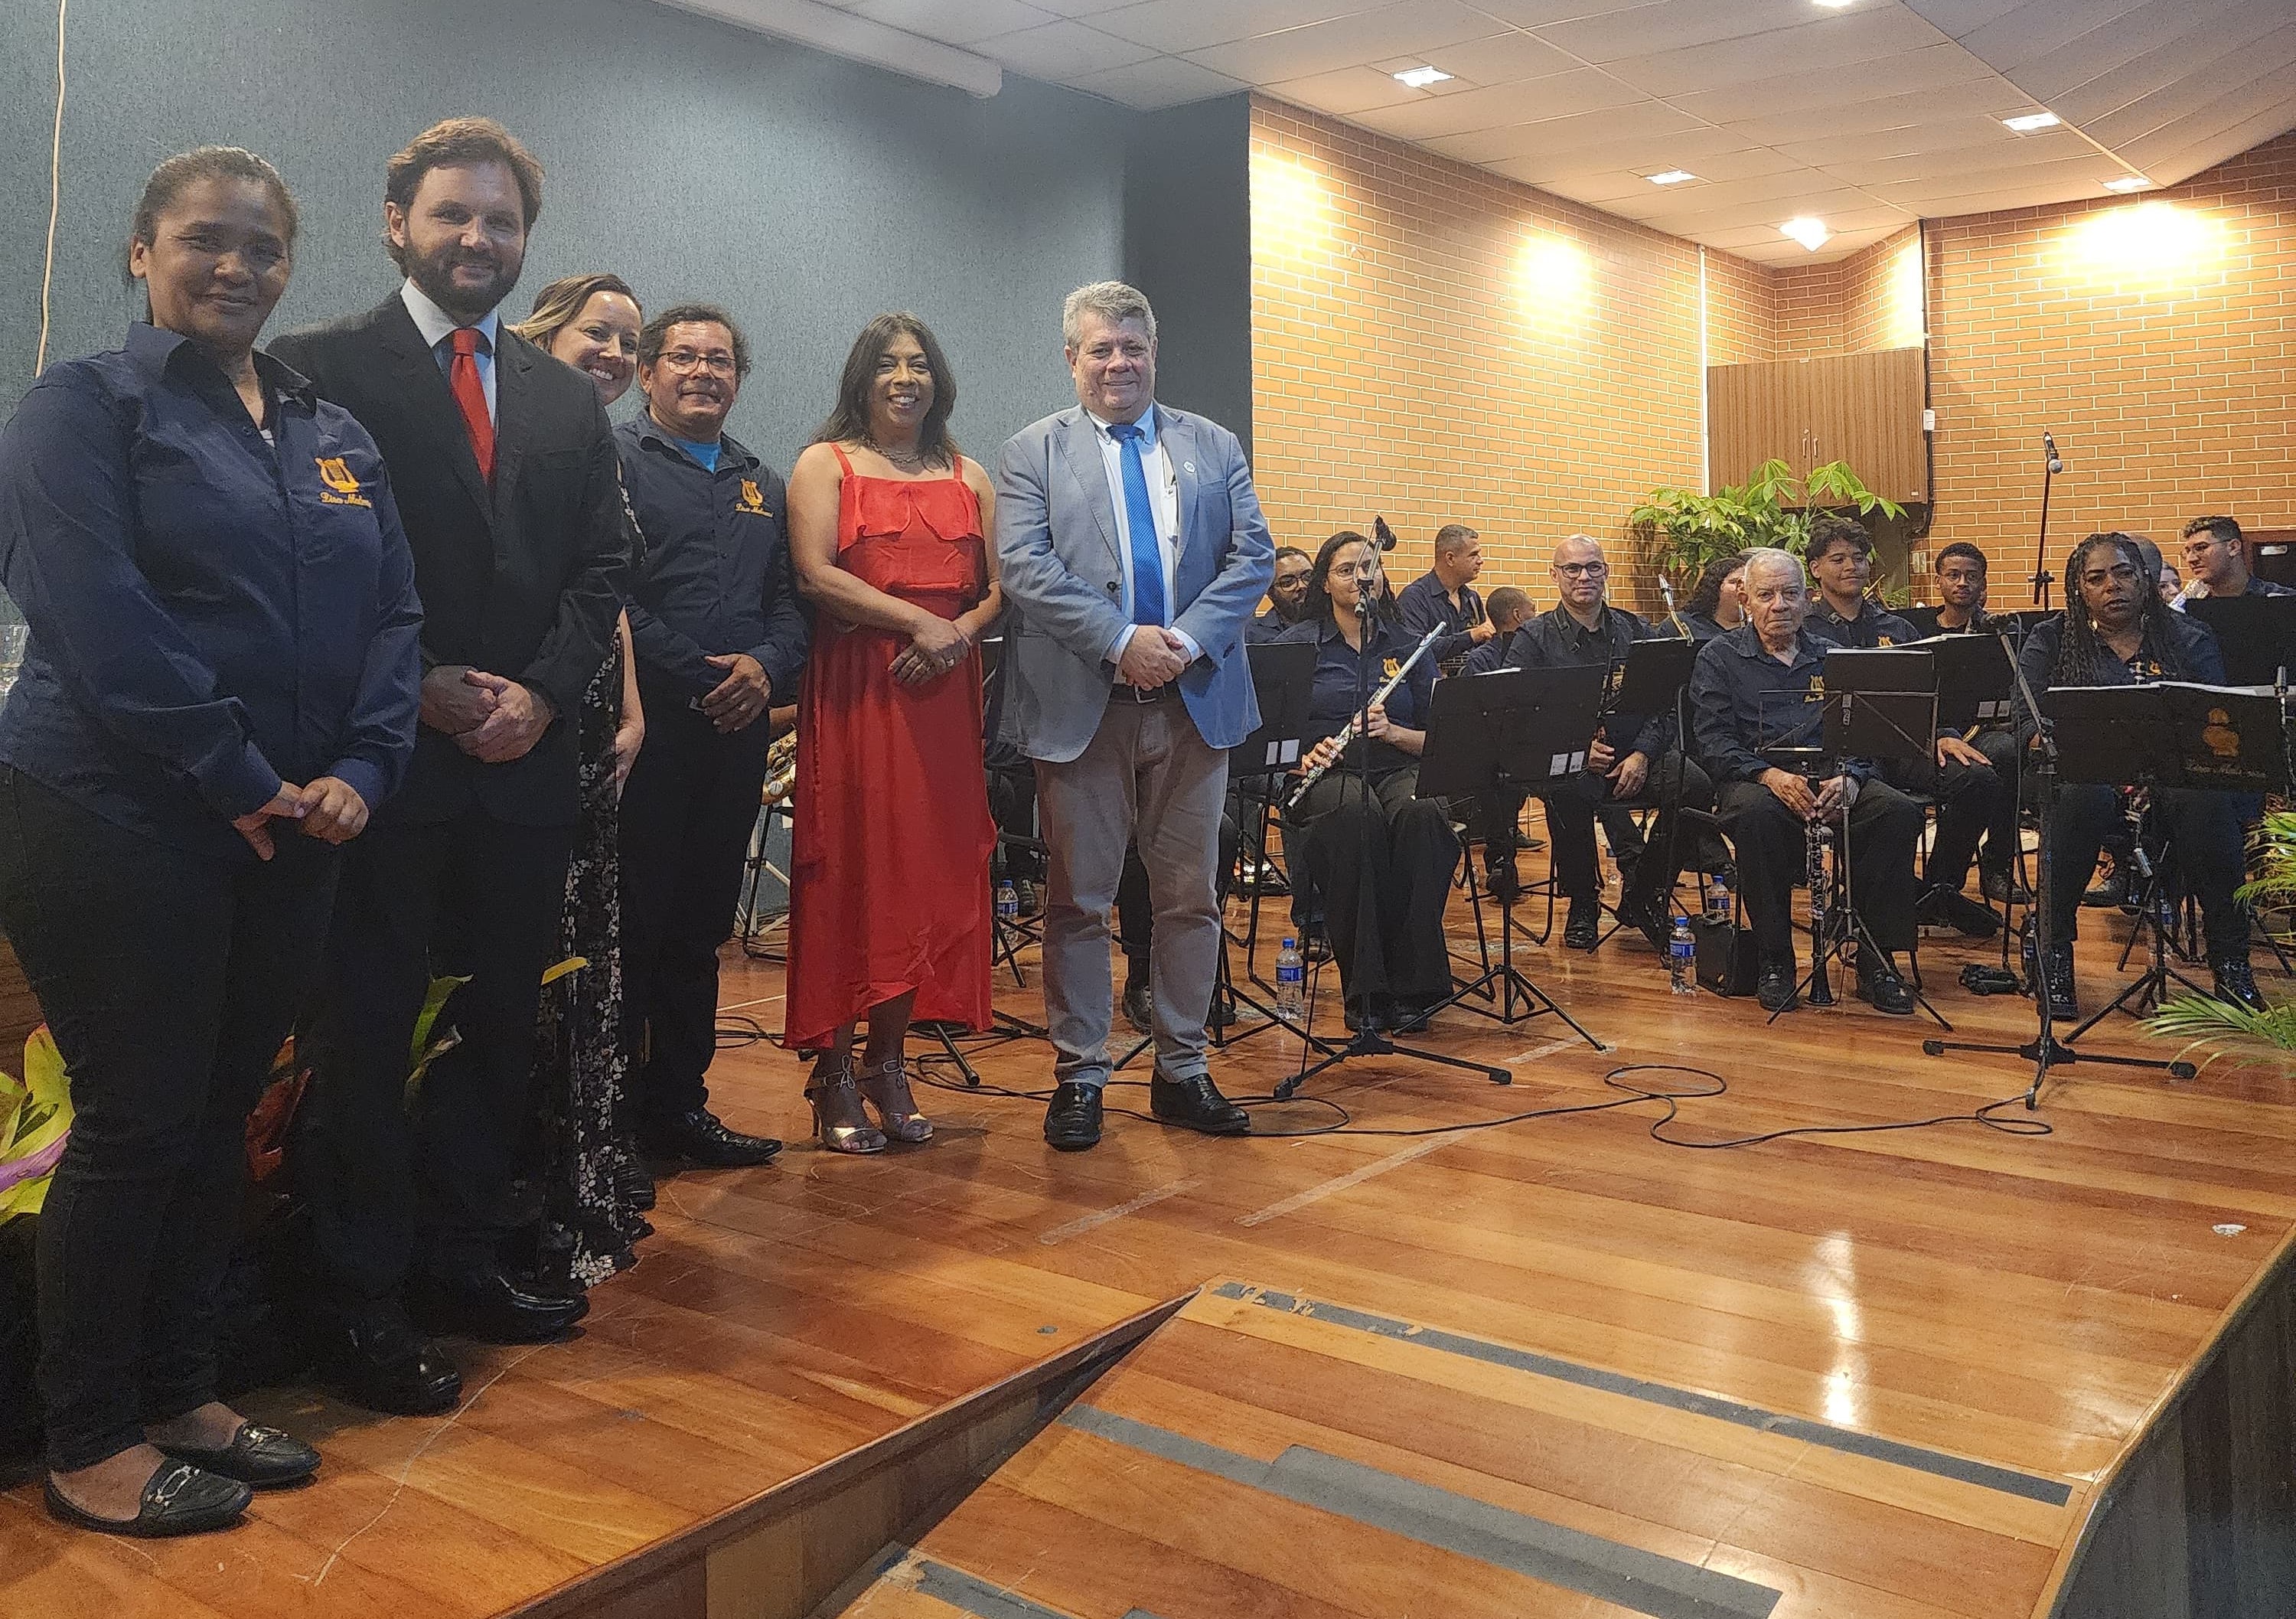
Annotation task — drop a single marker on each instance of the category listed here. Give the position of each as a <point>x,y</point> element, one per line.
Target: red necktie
<point>471,397</point>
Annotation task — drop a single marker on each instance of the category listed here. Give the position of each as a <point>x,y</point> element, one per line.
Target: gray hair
<point>1112,300</point>
<point>1769,559</point>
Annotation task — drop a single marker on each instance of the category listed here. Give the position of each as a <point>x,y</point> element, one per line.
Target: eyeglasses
<point>1582,570</point>
<point>1355,571</point>
<point>716,362</point>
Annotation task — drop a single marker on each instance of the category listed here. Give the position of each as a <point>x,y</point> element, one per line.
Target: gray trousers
<point>1147,777</point>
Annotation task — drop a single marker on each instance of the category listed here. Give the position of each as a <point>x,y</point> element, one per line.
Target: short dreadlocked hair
<point>2081,653</point>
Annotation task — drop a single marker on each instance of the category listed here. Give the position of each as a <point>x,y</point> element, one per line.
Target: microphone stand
<point>2042,577</point>
<point>2045,1051</point>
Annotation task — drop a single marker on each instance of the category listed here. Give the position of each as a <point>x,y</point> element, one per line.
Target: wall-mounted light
<point>1810,232</point>
<point>1419,78</point>
<point>2156,242</point>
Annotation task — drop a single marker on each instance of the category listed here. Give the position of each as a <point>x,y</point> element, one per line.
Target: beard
<point>434,274</point>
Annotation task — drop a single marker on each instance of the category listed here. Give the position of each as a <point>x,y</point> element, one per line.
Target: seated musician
<point>1717,606</point>
<point>1382,864</point>
<point>1962,581</point>
<point>2115,630</point>
<point>1758,687</point>
<point>1972,798</point>
<point>1628,759</point>
<point>1510,610</point>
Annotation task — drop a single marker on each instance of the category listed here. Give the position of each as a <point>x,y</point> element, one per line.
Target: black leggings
<point>169,980</point>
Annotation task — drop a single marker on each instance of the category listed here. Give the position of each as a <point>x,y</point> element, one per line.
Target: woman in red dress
<point>888,893</point>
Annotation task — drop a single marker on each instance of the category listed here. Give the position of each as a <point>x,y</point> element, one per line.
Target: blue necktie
<point>1140,518</point>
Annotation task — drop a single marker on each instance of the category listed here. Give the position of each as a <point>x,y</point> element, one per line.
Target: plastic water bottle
<point>1717,898</point>
<point>1008,902</point>
<point>1682,958</point>
<point>1290,981</point>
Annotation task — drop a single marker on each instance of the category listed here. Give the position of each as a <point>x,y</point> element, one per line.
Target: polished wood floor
<point>1531,1369</point>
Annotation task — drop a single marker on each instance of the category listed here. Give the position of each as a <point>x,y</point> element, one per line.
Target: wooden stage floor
<point>1518,1370</point>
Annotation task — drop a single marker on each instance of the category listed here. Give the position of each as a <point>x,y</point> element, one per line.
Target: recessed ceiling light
<point>2128,183</point>
<point>1669,176</point>
<point>1810,232</point>
<point>1419,78</point>
<point>1835,6</point>
<point>2025,123</point>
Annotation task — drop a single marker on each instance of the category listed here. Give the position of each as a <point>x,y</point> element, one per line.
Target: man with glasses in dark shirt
<point>1628,752</point>
<point>2216,561</point>
<point>720,631</point>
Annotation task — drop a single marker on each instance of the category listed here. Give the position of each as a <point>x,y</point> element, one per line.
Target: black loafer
<point>1880,987</point>
<point>704,1140</point>
<point>386,1366</point>
<point>1139,1011</point>
<point>494,1310</point>
<point>180,1498</point>
<point>1196,1105</point>
<point>2235,983</point>
<point>261,1457</point>
<point>1584,929</point>
<point>1776,989</point>
<point>1072,1121</point>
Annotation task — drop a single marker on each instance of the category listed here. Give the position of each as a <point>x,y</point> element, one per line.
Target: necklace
<point>911,461</point>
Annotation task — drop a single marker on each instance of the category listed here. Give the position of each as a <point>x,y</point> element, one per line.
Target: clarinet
<point>1818,845</point>
<point>1315,773</point>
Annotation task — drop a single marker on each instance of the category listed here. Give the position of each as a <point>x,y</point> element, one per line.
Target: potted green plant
<point>1773,507</point>
<point>2219,1028</point>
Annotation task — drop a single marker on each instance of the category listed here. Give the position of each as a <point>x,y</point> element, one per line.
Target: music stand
<point>2258,635</point>
<point>1923,619</point>
<point>1653,677</point>
<point>1515,730</point>
<point>1973,680</point>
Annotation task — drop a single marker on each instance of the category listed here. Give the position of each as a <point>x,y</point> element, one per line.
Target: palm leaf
<point>2224,1030</point>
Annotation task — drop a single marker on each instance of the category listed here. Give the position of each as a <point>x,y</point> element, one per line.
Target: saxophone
<point>780,767</point>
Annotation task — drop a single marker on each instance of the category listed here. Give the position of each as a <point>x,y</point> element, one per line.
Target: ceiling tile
<point>1790,122</point>
<point>1965,137</point>
<point>1494,59</point>
<point>1161,81</point>
<point>1499,106</point>
<point>1671,25</point>
<point>1190,25</point>
<point>1347,42</point>
<point>1551,135</point>
<point>1904,86</point>
<point>2031,31</point>
<point>1347,91</point>
<point>2030,152</point>
<point>1809,53</point>
<point>2191,56</point>
<point>1061,51</point>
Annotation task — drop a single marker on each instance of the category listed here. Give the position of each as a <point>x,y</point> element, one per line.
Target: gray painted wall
<point>806,193</point>
<point>1187,245</point>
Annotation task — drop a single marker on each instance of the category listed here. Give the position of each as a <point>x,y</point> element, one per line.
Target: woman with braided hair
<point>2115,630</point>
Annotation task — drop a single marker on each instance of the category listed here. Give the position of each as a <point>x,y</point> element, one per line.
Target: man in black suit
<point>504,469</point>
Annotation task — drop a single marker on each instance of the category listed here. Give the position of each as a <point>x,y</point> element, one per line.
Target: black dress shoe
<point>629,1179</point>
<point>180,1498</point>
<point>1370,1014</point>
<point>1196,1105</point>
<point>1501,877</point>
<point>494,1310</point>
<point>386,1366</point>
<point>2113,890</point>
<point>2235,984</point>
<point>1943,907</point>
<point>1584,929</point>
<point>261,1457</point>
<point>1879,985</point>
<point>1139,1010</point>
<point>703,1139</point>
<point>1072,1120</point>
<point>1777,987</point>
<point>2004,888</point>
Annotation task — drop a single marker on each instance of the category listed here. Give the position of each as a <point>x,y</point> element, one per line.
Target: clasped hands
<point>328,809</point>
<point>1627,773</point>
<point>491,718</point>
<point>936,646</point>
<point>1829,799</point>
<point>1152,656</point>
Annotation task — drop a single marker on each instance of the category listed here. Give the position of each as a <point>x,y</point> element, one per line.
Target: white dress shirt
<point>437,325</point>
<point>1164,502</point>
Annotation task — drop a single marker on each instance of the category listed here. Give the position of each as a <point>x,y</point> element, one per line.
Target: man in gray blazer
<point>1133,553</point>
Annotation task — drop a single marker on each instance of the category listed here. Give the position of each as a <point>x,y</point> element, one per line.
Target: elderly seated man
<point>1758,688</point>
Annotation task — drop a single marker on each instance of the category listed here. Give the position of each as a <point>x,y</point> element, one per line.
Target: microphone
<point>1666,591</point>
<point>2049,448</point>
<point>1383,534</point>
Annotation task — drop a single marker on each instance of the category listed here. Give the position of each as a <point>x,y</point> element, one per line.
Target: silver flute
<point>1315,773</point>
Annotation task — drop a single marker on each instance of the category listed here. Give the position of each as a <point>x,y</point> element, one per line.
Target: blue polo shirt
<point>1333,697</point>
<point>714,574</point>
<point>209,612</point>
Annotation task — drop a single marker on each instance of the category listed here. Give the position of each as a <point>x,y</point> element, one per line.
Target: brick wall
<point>1870,300</point>
<point>2155,337</point>
<point>1437,344</point>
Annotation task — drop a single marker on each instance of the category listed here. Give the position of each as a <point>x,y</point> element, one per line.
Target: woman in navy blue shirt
<point>1382,864</point>
<point>220,686</point>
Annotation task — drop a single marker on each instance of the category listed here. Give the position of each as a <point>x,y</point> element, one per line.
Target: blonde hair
<point>557,304</point>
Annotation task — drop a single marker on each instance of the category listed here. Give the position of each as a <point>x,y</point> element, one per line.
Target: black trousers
<point>687,812</point>
<point>1574,805</point>
<point>393,1182</point>
<point>2204,843</point>
<point>1383,866</point>
<point>169,980</point>
<point>1136,915</point>
<point>1974,801</point>
<point>1012,807</point>
<point>1773,850</point>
